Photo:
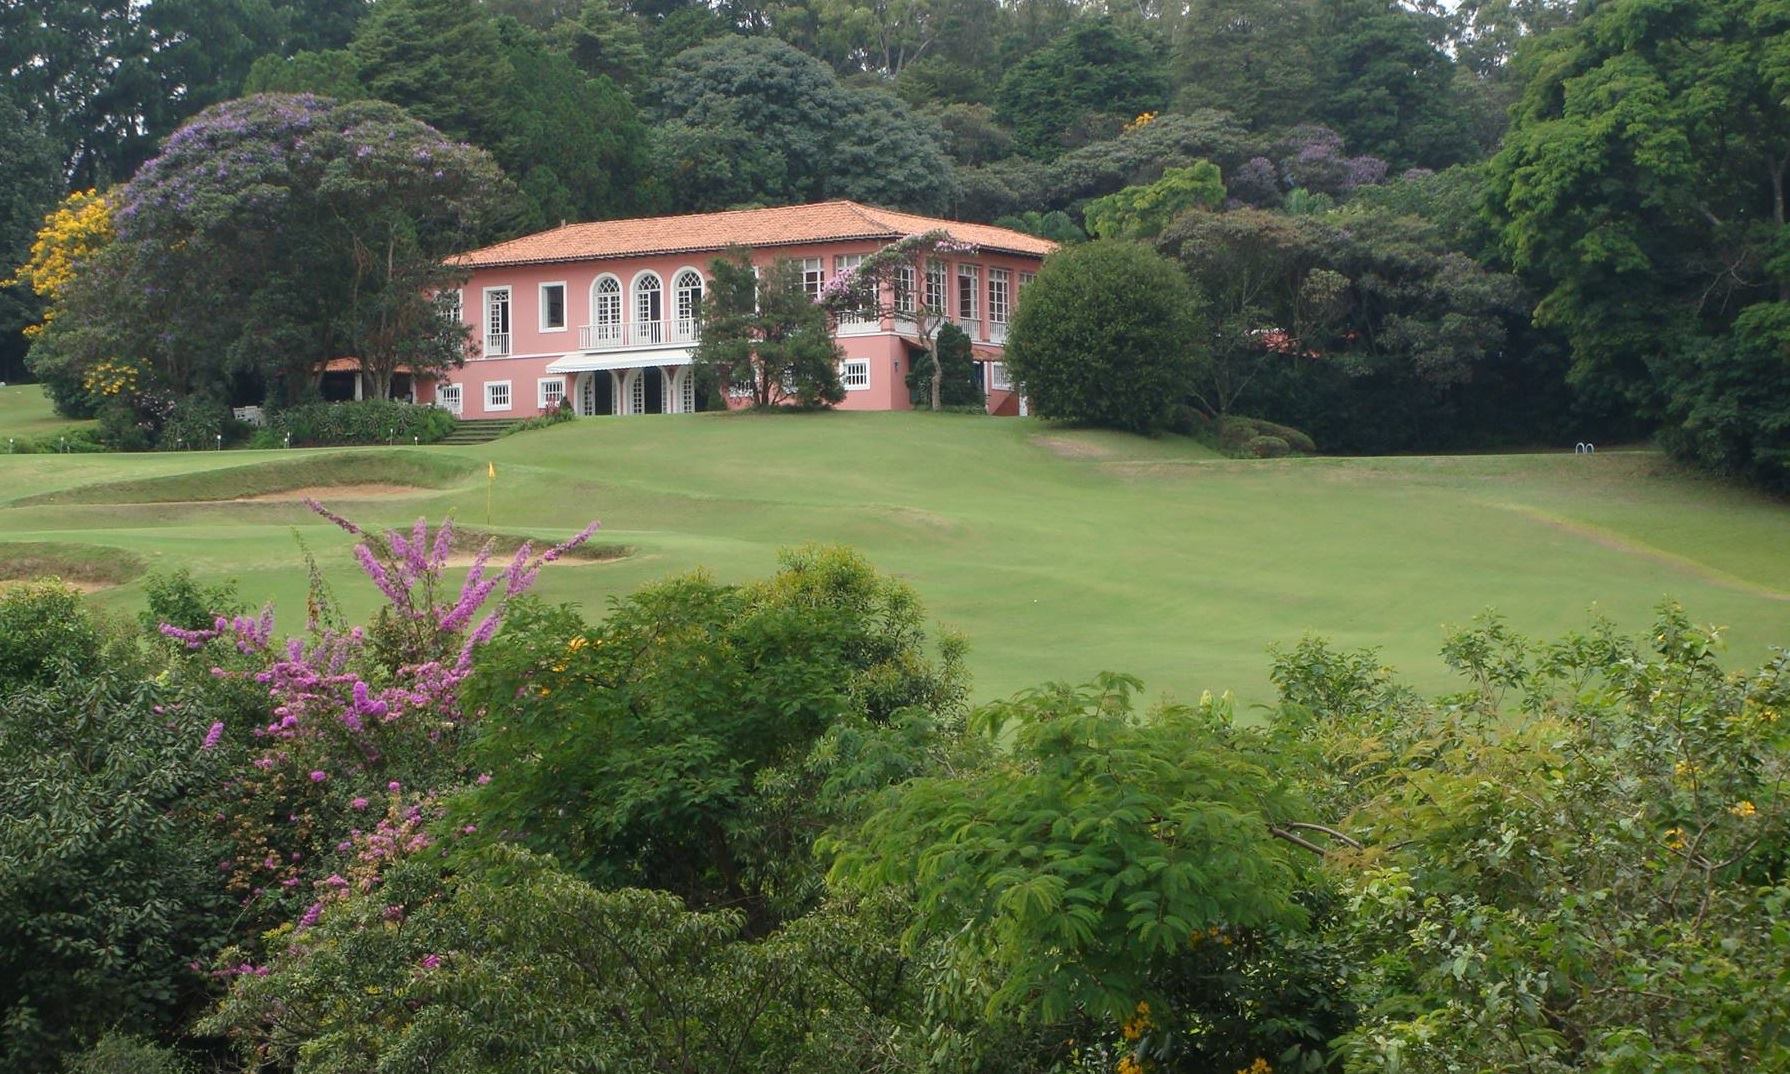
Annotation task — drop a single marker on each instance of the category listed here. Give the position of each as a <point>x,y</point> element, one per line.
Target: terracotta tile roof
<point>784,226</point>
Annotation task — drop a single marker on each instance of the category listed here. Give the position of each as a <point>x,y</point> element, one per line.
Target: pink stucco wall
<point>533,346</point>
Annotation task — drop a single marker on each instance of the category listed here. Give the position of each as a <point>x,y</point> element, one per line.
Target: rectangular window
<point>1000,288</point>
<point>447,397</point>
<point>854,373</point>
<point>497,321</point>
<point>553,307</point>
<point>1025,281</point>
<point>550,391</point>
<point>497,395</point>
<point>968,300</point>
<point>452,304</point>
<point>997,377</point>
<point>934,298</point>
<point>904,290</point>
<point>814,276</point>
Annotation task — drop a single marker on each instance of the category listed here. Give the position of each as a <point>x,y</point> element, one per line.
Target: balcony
<point>972,326</point>
<point>615,336</point>
<point>859,323</point>
<point>997,332</point>
<point>497,344</point>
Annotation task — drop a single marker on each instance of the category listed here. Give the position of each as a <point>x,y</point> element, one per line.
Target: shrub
<point>195,422</point>
<point>958,388</point>
<point>366,421</point>
<point>73,441</point>
<point>42,625</point>
<point>1266,447</point>
<point>559,415</point>
<point>1107,335</point>
<point>1236,434</point>
<point>177,599</point>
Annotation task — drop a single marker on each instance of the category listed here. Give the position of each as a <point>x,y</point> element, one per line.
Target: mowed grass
<point>25,413</point>
<point>1059,553</point>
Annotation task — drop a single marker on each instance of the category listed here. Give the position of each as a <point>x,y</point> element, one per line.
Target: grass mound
<point>82,565</point>
<point>265,480</point>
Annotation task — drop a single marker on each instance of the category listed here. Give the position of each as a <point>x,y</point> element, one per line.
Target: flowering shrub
<point>358,728</point>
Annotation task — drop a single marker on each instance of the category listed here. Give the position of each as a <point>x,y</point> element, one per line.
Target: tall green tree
<point>1095,68</point>
<point>1643,186</point>
<point>1387,83</point>
<point>30,179</point>
<point>572,142</point>
<point>1254,58</point>
<point>765,338</point>
<point>277,231</point>
<point>754,120</point>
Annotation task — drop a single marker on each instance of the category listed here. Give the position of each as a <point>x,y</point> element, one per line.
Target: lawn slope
<point>1060,553</point>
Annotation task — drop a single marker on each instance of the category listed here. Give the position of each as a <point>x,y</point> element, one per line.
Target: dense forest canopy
<point>1479,259</point>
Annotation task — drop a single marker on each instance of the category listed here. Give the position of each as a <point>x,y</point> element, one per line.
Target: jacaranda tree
<point>276,231</point>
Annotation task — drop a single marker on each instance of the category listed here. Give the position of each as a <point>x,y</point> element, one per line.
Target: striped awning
<point>590,363</point>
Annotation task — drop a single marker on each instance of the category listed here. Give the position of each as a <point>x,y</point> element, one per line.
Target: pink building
<point>605,313</point>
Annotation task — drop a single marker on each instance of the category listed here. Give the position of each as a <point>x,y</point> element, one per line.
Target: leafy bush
<point>1266,447</point>
<point>45,625</point>
<point>559,415</point>
<point>83,441</point>
<point>197,421</point>
<point>958,388</point>
<point>177,599</point>
<point>110,889</point>
<point>366,421</point>
<point>1108,334</point>
<point>1237,434</point>
<point>116,1053</point>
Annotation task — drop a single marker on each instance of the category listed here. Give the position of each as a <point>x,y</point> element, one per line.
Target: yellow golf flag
<point>491,471</point>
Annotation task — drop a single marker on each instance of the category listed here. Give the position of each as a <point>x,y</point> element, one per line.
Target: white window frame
<point>451,398</point>
<point>565,310</point>
<point>509,323</point>
<point>906,294</point>
<point>814,276</point>
<point>1025,281</point>
<point>998,380</point>
<point>688,328</point>
<point>647,330</point>
<point>972,274</point>
<point>541,386</point>
<point>936,298</point>
<point>855,367</point>
<point>509,395</point>
<point>999,312</point>
<point>456,303</point>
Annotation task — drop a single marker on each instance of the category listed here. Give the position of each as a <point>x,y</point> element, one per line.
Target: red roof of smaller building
<point>787,225</point>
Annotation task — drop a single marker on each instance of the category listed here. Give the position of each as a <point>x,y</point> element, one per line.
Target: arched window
<point>649,310</point>
<point>605,313</point>
<point>687,299</point>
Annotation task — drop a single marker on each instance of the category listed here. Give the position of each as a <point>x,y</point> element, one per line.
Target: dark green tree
<point>111,884</point>
<point>1387,84</point>
<point>1643,187</point>
<point>957,378</point>
<point>29,182</point>
<point>1253,58</point>
<point>274,232</point>
<point>603,38</point>
<point>1095,68</point>
<point>1108,334</point>
<point>765,338</point>
<point>754,120</point>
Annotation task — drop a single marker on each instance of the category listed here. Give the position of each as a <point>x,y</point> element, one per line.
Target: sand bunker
<point>1071,449</point>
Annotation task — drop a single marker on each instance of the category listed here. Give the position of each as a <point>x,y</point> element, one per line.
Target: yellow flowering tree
<point>79,227</point>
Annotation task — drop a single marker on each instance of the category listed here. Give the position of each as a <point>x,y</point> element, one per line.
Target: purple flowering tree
<point>1314,160</point>
<point>357,728</point>
<point>279,230</point>
<point>905,280</point>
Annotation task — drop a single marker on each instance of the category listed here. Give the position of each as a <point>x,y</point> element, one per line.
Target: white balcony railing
<point>497,344</point>
<point>997,332</point>
<point>972,326</point>
<point>859,323</point>
<point>616,336</point>
<point>600,337</point>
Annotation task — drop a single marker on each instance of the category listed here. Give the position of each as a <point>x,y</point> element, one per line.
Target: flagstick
<point>490,480</point>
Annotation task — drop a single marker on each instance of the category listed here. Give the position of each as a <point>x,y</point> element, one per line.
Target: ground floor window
<point>552,391</point>
<point>447,397</point>
<point>997,377</point>
<point>497,395</point>
<point>854,373</point>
